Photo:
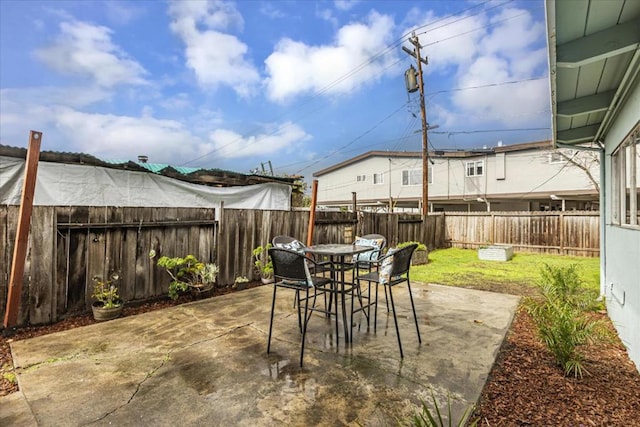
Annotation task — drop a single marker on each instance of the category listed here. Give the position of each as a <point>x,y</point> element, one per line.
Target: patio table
<point>337,254</point>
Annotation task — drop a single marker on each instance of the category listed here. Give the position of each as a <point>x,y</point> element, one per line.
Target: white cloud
<point>295,68</point>
<point>215,57</point>
<point>277,139</point>
<point>501,48</point>
<point>449,42</point>
<point>72,96</point>
<point>121,13</point>
<point>115,137</point>
<point>270,11</point>
<point>87,50</point>
<point>345,5</point>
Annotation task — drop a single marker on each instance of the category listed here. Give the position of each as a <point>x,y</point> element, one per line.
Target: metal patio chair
<point>368,260</point>
<point>393,269</point>
<point>290,269</point>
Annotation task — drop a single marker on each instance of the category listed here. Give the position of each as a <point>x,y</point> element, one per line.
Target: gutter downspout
<point>603,227</point>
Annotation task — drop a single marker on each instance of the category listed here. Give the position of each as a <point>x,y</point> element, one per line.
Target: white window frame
<point>411,177</point>
<point>361,178</point>
<point>378,178</point>
<point>625,176</point>
<point>474,168</point>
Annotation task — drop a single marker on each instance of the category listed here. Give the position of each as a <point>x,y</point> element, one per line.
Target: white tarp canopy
<point>60,184</point>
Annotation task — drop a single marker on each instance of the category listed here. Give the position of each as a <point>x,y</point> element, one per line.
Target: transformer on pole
<point>410,78</point>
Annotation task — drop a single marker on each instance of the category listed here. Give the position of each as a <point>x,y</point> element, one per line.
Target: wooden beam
<point>22,234</point>
<point>604,44</point>
<point>581,134</point>
<point>586,104</point>
<point>312,212</point>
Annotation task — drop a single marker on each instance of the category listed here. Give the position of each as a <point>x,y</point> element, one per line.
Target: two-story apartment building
<point>529,176</point>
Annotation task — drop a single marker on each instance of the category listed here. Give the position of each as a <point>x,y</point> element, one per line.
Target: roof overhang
<point>594,62</point>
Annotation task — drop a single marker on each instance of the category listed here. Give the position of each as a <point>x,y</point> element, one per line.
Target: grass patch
<point>462,268</point>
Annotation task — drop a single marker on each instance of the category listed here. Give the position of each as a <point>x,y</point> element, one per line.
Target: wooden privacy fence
<point>565,233</point>
<point>68,246</point>
<point>243,230</point>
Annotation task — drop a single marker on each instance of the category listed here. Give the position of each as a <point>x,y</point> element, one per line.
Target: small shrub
<point>262,261</point>
<point>11,377</point>
<point>187,272</point>
<point>421,246</point>
<point>562,317</point>
<point>433,418</point>
<point>106,292</point>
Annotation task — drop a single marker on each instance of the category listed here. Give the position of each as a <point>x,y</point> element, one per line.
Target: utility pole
<point>423,113</point>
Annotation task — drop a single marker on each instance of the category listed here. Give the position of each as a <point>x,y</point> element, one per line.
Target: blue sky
<point>300,84</point>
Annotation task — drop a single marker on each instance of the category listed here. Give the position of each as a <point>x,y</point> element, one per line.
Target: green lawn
<point>461,267</point>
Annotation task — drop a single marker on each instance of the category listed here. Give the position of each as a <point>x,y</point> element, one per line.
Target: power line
<point>487,85</point>
<point>355,139</point>
<point>369,61</point>
<point>486,131</point>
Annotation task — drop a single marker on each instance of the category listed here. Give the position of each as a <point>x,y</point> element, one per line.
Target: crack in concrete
<point>37,365</point>
<point>165,359</point>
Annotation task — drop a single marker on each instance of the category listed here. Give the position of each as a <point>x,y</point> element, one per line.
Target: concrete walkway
<point>205,363</point>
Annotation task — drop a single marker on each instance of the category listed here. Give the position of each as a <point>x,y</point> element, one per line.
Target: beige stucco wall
<point>525,174</point>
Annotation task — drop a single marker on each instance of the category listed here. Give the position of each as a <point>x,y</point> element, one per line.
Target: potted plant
<point>188,274</point>
<point>240,283</point>
<point>420,255</point>
<point>108,304</point>
<point>263,263</point>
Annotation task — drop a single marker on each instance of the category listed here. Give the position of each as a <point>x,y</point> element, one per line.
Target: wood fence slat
<point>121,239</point>
<point>41,300</point>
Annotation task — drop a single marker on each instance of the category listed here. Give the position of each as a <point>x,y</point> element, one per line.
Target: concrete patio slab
<point>205,363</point>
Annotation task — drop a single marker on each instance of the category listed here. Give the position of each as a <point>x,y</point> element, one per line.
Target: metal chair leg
<point>395,319</point>
<point>273,306</point>
<point>304,328</point>
<point>415,317</point>
<point>375,310</point>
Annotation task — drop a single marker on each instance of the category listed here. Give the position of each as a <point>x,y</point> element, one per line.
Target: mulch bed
<point>525,386</point>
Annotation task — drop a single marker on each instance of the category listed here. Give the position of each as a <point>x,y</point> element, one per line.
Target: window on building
<point>412,177</point>
<point>378,178</point>
<point>625,171</point>
<point>475,168</point>
<point>361,178</point>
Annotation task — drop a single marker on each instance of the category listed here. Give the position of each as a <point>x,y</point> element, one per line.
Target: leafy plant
<point>421,246</point>
<point>187,273</point>
<point>562,316</point>
<point>11,377</point>
<point>262,261</point>
<point>433,418</point>
<point>106,292</point>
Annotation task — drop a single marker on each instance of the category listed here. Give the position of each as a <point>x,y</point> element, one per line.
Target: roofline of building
<point>202,176</point>
<point>590,194</point>
<point>536,145</point>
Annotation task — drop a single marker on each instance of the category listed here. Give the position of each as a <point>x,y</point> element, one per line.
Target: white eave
<point>594,61</point>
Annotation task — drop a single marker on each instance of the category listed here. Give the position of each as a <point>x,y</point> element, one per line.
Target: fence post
<point>561,225</point>
<point>22,233</point>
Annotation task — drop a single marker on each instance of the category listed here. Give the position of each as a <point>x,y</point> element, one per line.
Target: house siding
<point>510,178</point>
<point>621,283</point>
